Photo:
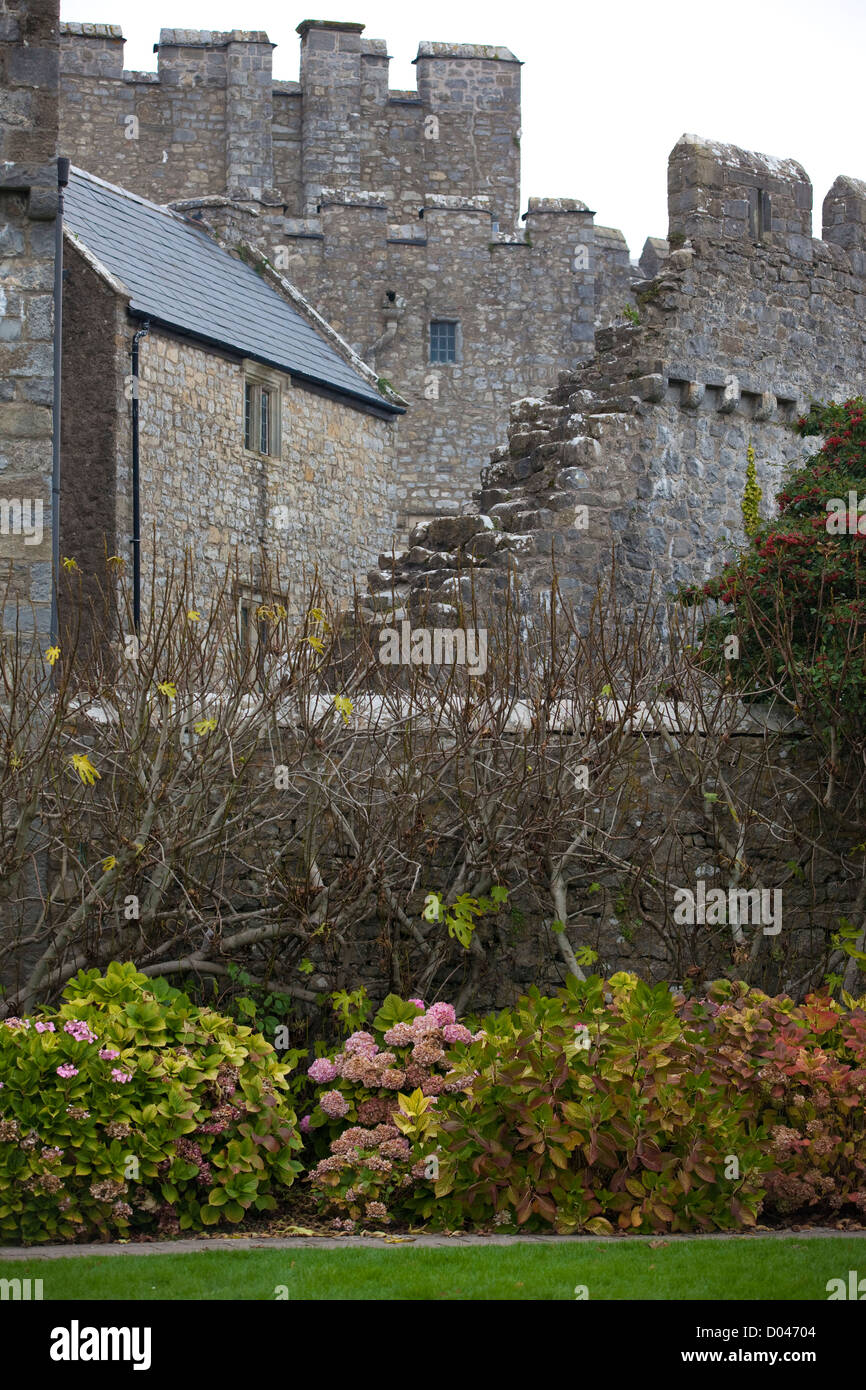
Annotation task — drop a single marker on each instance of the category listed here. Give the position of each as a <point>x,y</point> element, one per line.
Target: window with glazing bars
<point>443,340</point>
<point>260,418</point>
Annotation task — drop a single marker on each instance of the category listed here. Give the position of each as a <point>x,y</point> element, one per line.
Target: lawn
<point>725,1270</point>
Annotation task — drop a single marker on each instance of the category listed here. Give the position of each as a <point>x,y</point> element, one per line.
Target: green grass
<point>725,1270</point>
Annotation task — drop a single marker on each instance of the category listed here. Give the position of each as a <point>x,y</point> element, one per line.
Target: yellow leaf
<point>85,769</point>
<point>343,705</point>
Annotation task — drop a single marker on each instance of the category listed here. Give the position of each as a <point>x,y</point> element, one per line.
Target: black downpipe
<point>62,181</point>
<point>136,495</point>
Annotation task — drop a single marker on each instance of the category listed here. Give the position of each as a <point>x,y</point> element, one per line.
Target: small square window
<point>261,417</point>
<point>443,340</point>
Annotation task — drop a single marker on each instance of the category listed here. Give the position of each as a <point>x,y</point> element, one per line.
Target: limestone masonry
<point>28,207</point>
<point>643,448</point>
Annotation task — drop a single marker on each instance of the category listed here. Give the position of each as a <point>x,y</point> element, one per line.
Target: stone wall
<point>327,498</point>
<point>745,323</point>
<point>28,208</point>
<point>387,209</point>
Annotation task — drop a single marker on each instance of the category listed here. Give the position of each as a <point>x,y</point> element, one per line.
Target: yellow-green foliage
<point>751,496</point>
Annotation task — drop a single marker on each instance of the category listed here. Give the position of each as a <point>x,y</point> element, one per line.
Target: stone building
<point>643,449</point>
<point>395,212</point>
<point>258,430</point>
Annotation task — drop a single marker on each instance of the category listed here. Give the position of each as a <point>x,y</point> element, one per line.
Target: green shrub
<point>599,1110</point>
<point>129,1108</point>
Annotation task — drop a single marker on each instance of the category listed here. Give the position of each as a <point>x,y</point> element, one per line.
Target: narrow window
<point>261,416</point>
<point>443,340</point>
<point>265,433</point>
<point>249,406</point>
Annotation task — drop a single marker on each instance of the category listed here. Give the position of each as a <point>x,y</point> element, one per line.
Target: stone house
<point>257,429</point>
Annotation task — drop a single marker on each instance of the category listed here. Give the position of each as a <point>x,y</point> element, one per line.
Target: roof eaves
<point>358,399</point>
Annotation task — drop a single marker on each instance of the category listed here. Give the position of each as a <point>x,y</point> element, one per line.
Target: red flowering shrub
<point>797,590</point>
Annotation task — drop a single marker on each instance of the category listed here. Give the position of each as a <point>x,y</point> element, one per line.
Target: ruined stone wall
<point>28,208</point>
<point>327,497</point>
<point>387,209</point>
<point>745,322</point>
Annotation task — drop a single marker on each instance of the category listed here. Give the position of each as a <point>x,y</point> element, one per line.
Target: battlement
<point>722,190</point>
<point>340,125</point>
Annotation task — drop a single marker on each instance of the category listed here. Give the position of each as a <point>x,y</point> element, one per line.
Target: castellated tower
<point>395,212</point>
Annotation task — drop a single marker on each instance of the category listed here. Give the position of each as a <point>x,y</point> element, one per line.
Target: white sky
<point>607,88</point>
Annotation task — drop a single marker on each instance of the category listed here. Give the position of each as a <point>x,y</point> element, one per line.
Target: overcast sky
<point>607,88</point>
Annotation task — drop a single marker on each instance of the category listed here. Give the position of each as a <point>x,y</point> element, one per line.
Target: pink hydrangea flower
<point>456,1032</point>
<point>45,1028</point>
<point>67,1070</point>
<point>364,1043</point>
<point>419,1003</point>
<point>305,1124</point>
<point>479,1036</point>
<point>441,1014</point>
<point>322,1070</point>
<point>121,1076</point>
<point>399,1035</point>
<point>334,1104</point>
<point>80,1030</point>
<point>108,1054</point>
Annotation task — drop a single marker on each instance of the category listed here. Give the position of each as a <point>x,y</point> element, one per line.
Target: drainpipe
<point>136,498</point>
<point>62,181</point>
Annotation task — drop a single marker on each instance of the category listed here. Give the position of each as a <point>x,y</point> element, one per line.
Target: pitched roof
<point>178,277</point>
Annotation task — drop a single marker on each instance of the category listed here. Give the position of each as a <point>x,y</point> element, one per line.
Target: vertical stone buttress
<point>29,76</point>
<point>473,92</point>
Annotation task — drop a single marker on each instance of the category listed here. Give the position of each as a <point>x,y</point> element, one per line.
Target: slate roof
<point>179,278</point>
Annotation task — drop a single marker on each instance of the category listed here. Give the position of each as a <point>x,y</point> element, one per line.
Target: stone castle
<point>395,212</point>
<point>635,391</point>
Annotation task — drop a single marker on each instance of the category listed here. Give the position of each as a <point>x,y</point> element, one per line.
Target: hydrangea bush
<point>129,1108</point>
<point>599,1110</point>
<point>804,1068</point>
<point>370,1170</point>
